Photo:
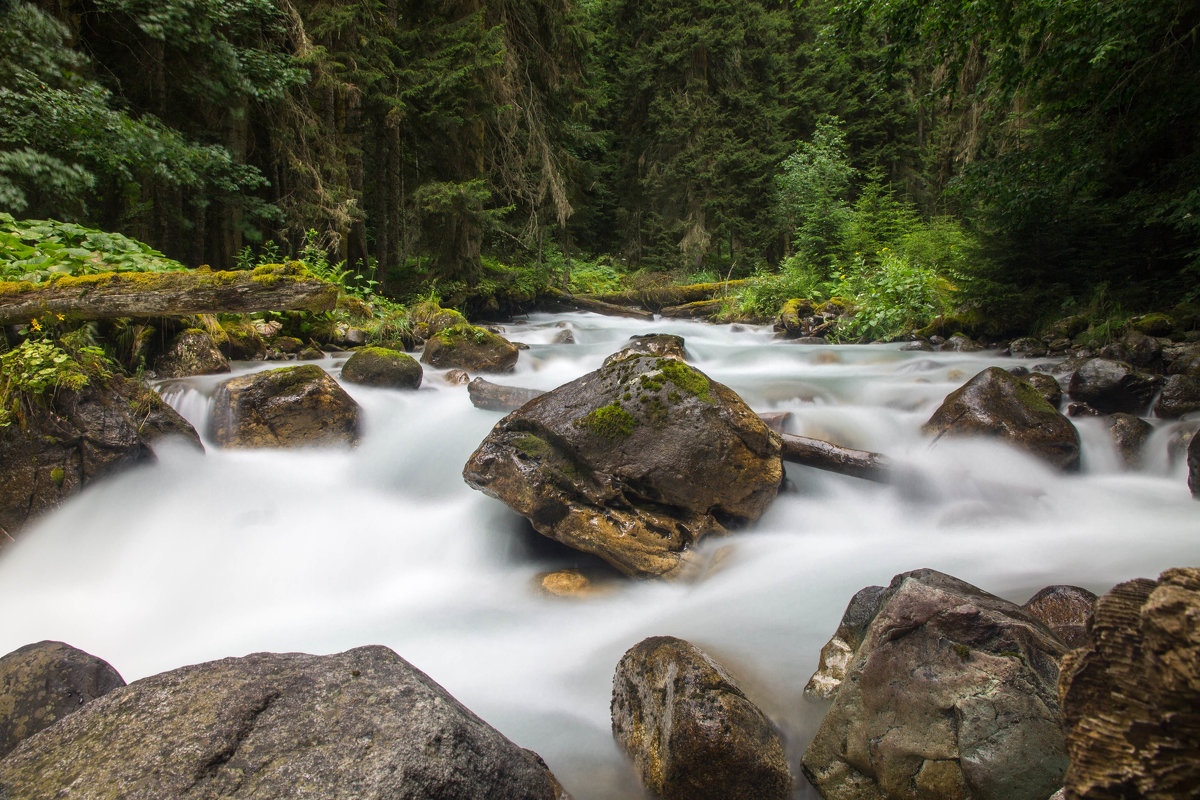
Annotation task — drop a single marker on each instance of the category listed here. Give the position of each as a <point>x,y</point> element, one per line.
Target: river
<point>231,552</point>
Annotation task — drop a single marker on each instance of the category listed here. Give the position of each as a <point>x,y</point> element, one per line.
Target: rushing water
<point>232,552</point>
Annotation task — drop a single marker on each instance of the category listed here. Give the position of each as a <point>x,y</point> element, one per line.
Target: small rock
<point>1047,387</point>
<point>691,732</point>
<point>378,366</point>
<point>457,377</point>
<point>1111,386</point>
<point>1027,348</point>
<point>289,345</point>
<point>1129,435</point>
<point>494,397</point>
<point>44,682</point>
<point>564,336</point>
<point>285,407</point>
<point>1144,351</point>
<point>1180,395</point>
<point>191,353</point>
<point>959,343</point>
<point>666,345</point>
<point>1066,610</point>
<point>565,583</point>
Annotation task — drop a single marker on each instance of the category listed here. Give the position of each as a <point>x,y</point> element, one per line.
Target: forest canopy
<point>1022,155</point>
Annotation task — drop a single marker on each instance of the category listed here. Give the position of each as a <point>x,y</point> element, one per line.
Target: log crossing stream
<point>233,552</point>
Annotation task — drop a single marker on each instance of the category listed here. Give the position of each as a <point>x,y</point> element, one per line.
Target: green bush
<point>37,368</point>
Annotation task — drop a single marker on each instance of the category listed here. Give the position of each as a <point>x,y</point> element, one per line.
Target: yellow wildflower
<point>33,323</point>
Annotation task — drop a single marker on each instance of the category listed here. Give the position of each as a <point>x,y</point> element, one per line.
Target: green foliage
<point>813,188</point>
<point>38,250</point>
<point>892,297</point>
<point>35,370</point>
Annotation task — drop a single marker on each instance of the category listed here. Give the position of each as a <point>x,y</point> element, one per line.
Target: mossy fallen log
<point>584,303</point>
<point>109,295</point>
<point>660,297</point>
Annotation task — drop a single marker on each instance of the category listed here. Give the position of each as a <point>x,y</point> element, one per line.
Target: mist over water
<point>232,552</point>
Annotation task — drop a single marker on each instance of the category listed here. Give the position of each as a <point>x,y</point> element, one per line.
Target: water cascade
<point>231,552</point>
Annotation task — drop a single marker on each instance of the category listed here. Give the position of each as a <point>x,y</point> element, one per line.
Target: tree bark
<point>156,294</point>
<point>666,296</point>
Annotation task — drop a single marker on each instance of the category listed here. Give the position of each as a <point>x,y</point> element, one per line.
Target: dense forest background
<point>1035,154</point>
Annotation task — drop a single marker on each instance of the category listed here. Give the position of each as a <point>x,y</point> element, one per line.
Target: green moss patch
<point>687,379</point>
<point>609,422</point>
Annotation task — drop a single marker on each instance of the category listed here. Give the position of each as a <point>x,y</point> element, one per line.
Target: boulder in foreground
<point>634,462</point>
<point>952,693</point>
<point>690,730</point>
<point>42,683</point>
<point>1131,697</point>
<point>359,725</point>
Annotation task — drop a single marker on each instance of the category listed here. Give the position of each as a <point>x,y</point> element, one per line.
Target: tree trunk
<point>835,458</point>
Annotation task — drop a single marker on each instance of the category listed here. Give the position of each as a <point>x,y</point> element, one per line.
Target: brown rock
<point>1131,699</point>
<point>995,403</point>
<point>470,348</point>
<point>494,397</point>
<point>379,366</point>
<point>1129,435</point>
<point>191,353</point>
<point>837,652</point>
<point>44,682</point>
<point>1180,395</point>
<point>1065,610</point>
<point>691,732</point>
<point>286,407</point>
<point>1047,386</point>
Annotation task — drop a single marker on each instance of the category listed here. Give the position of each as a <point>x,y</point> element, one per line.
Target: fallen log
<point>835,458</point>
<point>701,309</point>
<point>108,295</point>
<point>494,397</point>
<point>583,303</point>
<point>660,297</point>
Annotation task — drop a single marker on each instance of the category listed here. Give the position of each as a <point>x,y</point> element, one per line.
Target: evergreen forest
<point>1024,159</point>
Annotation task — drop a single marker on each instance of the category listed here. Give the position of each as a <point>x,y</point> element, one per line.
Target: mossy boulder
<point>667,345</point>
<point>951,693</point>
<point>359,724</point>
<point>286,407</point>
<point>42,683</point>
<point>471,348</point>
<point>634,462</point>
<point>997,404</point>
<point>192,352</point>
<point>1047,386</point>
<point>77,438</point>
<point>690,729</point>
<point>790,324</point>
<point>1156,324</point>
<point>379,366</point>
<point>428,318</point>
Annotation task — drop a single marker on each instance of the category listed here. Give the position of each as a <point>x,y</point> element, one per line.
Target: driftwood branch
<point>835,458</point>
<point>164,294</point>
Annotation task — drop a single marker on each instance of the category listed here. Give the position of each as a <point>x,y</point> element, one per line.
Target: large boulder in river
<point>998,404</point>
<point>285,407</point>
<point>379,366</point>
<point>1065,610</point>
<point>690,730</point>
<point>77,438</point>
<point>634,462</point>
<point>356,725</point>
<point>1131,698</point>
<point>44,682</point>
<point>192,352</point>
<point>1111,386</point>
<point>951,694</point>
<point>471,348</point>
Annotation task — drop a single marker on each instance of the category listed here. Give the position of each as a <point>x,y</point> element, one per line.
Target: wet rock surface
<point>470,348</point>
<point>997,404</point>
<point>192,352</point>
<point>837,652</point>
<point>634,462</point>
<point>690,730</point>
<point>1180,395</point>
<point>1131,698</point>
<point>1193,463</point>
<point>654,344</point>
<point>951,694</point>
<point>1065,610</point>
<point>352,726</point>
<point>42,683</point>
<point>1110,386</point>
<point>286,407</point>
<point>379,366</point>
<point>1129,435</point>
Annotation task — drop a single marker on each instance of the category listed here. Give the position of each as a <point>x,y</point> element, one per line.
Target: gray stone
<point>1110,386</point>
<point>1180,395</point>
<point>690,730</point>
<point>286,407</point>
<point>667,345</point>
<point>359,725</point>
<point>1129,435</point>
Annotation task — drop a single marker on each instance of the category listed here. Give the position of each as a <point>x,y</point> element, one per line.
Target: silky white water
<point>203,556</point>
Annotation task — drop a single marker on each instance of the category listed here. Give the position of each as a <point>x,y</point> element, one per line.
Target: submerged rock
<point>951,694</point>
<point>996,403</point>
<point>690,730</point>
<point>470,348</point>
<point>494,397</point>
<point>359,724</point>
<point>1131,698</point>
<point>44,682</point>
<point>80,437</point>
<point>634,462</point>
<point>379,366</point>
<point>192,352</point>
<point>1111,386</point>
<point>285,407</point>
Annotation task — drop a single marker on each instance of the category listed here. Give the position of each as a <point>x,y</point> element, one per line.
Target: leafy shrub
<point>33,371</point>
<point>38,250</point>
<point>891,298</point>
